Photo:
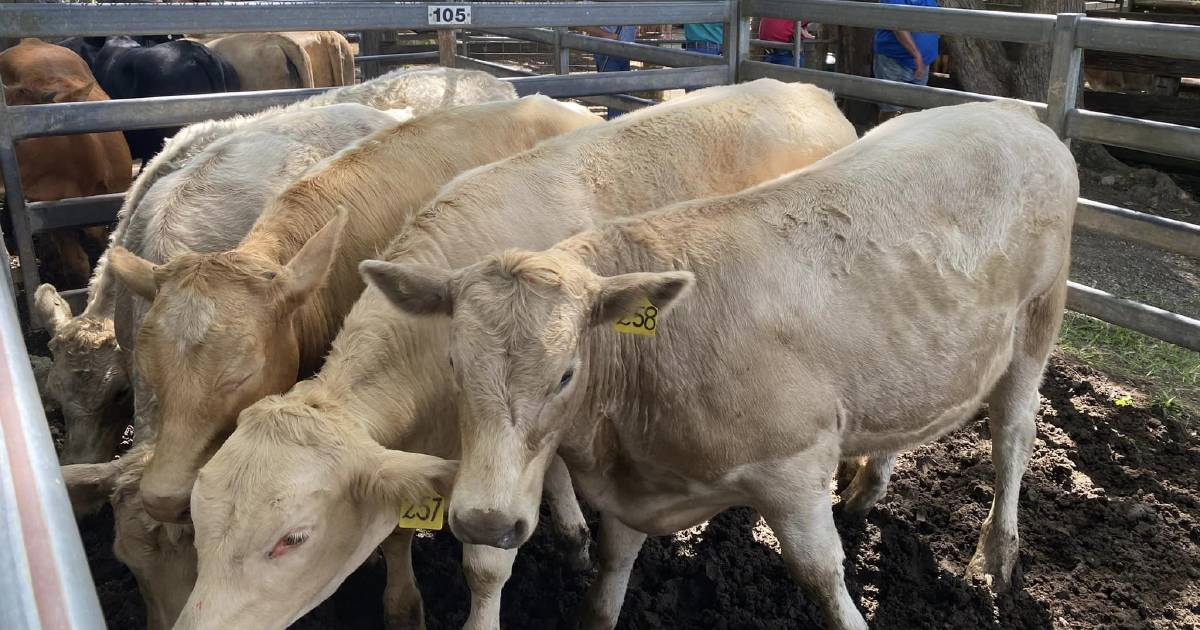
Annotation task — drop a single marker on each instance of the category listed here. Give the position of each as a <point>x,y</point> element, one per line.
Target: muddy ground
<point>1110,518</point>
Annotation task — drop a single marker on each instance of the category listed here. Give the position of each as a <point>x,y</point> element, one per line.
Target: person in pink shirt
<point>783,31</point>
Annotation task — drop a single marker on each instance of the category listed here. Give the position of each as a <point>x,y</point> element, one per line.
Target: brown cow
<point>276,61</point>
<point>59,167</point>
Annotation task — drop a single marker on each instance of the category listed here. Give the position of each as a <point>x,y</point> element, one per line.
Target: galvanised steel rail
<point>44,577</point>
<point>1067,35</point>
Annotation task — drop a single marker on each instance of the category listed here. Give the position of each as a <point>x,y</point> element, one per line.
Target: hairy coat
<point>275,61</point>
<point>861,306</point>
<point>228,328</point>
<point>88,361</point>
<point>59,167</point>
<point>387,382</point>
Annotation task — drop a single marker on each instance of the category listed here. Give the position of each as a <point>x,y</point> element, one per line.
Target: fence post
<point>447,40</point>
<point>737,39</point>
<point>797,44</point>
<point>15,198</point>
<point>1066,65</point>
<point>562,56</point>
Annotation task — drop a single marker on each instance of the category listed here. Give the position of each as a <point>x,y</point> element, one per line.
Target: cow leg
<point>1012,410</point>
<point>568,518</point>
<point>487,569</point>
<point>618,550</point>
<point>402,605</point>
<point>869,484</point>
<point>802,520</point>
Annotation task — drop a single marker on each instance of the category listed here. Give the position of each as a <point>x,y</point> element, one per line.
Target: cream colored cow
<point>864,305</point>
<point>227,328</point>
<point>387,382</point>
<point>89,376</point>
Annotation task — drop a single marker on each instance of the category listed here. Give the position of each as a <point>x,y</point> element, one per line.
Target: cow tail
<point>299,59</point>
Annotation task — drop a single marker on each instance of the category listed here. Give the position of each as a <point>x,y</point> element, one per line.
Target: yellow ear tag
<point>642,321</point>
<point>426,514</point>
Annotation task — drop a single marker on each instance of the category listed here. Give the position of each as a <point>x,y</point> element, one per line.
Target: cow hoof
<point>858,498</point>
<point>997,576</point>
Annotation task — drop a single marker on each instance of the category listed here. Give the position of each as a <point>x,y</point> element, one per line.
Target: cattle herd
<point>422,299</point>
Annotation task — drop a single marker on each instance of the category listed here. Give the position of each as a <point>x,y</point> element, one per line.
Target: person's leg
<point>891,70</point>
<point>605,63</point>
<point>779,57</point>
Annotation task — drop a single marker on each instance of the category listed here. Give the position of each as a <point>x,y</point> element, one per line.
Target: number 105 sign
<point>449,14</point>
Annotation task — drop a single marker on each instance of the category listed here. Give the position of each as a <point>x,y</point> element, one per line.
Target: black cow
<point>126,68</point>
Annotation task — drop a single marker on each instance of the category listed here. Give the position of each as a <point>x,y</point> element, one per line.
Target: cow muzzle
<point>489,527</point>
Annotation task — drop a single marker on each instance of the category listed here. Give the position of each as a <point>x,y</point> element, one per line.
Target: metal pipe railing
<point>44,577</point>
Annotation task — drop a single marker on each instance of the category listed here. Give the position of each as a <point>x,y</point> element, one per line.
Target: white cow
<point>862,306</point>
<point>90,377</point>
<point>387,384</point>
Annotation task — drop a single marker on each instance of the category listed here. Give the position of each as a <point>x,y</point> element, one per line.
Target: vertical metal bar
<point>737,38</point>
<point>447,40</point>
<point>1066,63</point>
<point>562,56</point>
<point>798,44</point>
<point>15,197</point>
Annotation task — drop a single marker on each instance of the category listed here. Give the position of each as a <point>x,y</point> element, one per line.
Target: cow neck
<point>390,372</point>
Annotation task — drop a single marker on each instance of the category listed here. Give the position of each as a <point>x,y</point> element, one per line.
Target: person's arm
<point>596,31</point>
<point>906,40</point>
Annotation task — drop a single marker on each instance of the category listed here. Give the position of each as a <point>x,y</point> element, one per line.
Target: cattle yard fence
<point>44,580</point>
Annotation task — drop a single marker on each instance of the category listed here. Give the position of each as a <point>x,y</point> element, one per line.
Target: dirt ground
<point>1110,538</point>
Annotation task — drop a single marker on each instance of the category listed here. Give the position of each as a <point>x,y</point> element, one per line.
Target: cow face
<point>219,336</point>
<point>517,344</point>
<point>293,502</point>
<point>87,379</point>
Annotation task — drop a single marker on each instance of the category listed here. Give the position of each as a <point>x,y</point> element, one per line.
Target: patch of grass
<point>1167,374</point>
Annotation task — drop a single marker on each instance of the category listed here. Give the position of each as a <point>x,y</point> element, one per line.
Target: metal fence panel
<point>1179,41</point>
<point>1147,229</point>
<point>64,20</point>
<point>1134,133</point>
<point>44,577</point>
<point>1148,320</point>
<point>870,89</point>
<point>1004,26</point>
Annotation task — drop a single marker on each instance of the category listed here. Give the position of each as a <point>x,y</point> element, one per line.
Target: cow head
<point>518,332</point>
<point>219,336</point>
<point>293,502</point>
<point>87,378</point>
<point>161,556</point>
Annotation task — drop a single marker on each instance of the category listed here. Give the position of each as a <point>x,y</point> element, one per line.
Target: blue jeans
<point>781,57</point>
<point>606,63</point>
<point>892,70</point>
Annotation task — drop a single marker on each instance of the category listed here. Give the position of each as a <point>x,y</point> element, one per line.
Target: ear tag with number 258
<point>427,513</point>
<point>642,321</point>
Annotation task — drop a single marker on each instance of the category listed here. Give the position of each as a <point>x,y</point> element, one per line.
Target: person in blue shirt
<point>904,56</point>
<point>609,63</point>
<point>705,37</point>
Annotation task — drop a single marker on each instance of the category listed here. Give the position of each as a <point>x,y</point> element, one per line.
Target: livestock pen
<point>44,580</point>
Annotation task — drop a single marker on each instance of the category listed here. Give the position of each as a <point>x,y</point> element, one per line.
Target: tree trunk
<point>1004,68</point>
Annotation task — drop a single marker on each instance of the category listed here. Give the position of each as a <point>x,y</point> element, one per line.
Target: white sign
<point>449,14</point>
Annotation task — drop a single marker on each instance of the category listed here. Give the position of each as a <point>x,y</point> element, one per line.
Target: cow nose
<point>488,527</point>
<point>168,507</point>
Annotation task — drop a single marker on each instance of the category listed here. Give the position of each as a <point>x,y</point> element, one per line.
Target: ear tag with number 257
<point>642,321</point>
<point>427,513</point>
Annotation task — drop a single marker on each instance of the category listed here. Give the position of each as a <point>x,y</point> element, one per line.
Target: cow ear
<point>135,272</point>
<point>89,486</point>
<point>50,310</point>
<point>412,288</point>
<point>309,268</point>
<point>398,476</point>
<point>621,295</point>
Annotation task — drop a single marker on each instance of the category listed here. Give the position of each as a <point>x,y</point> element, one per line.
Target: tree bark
<point>1005,68</point>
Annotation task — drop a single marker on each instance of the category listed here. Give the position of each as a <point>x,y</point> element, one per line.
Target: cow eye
<point>566,379</point>
<point>290,541</point>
